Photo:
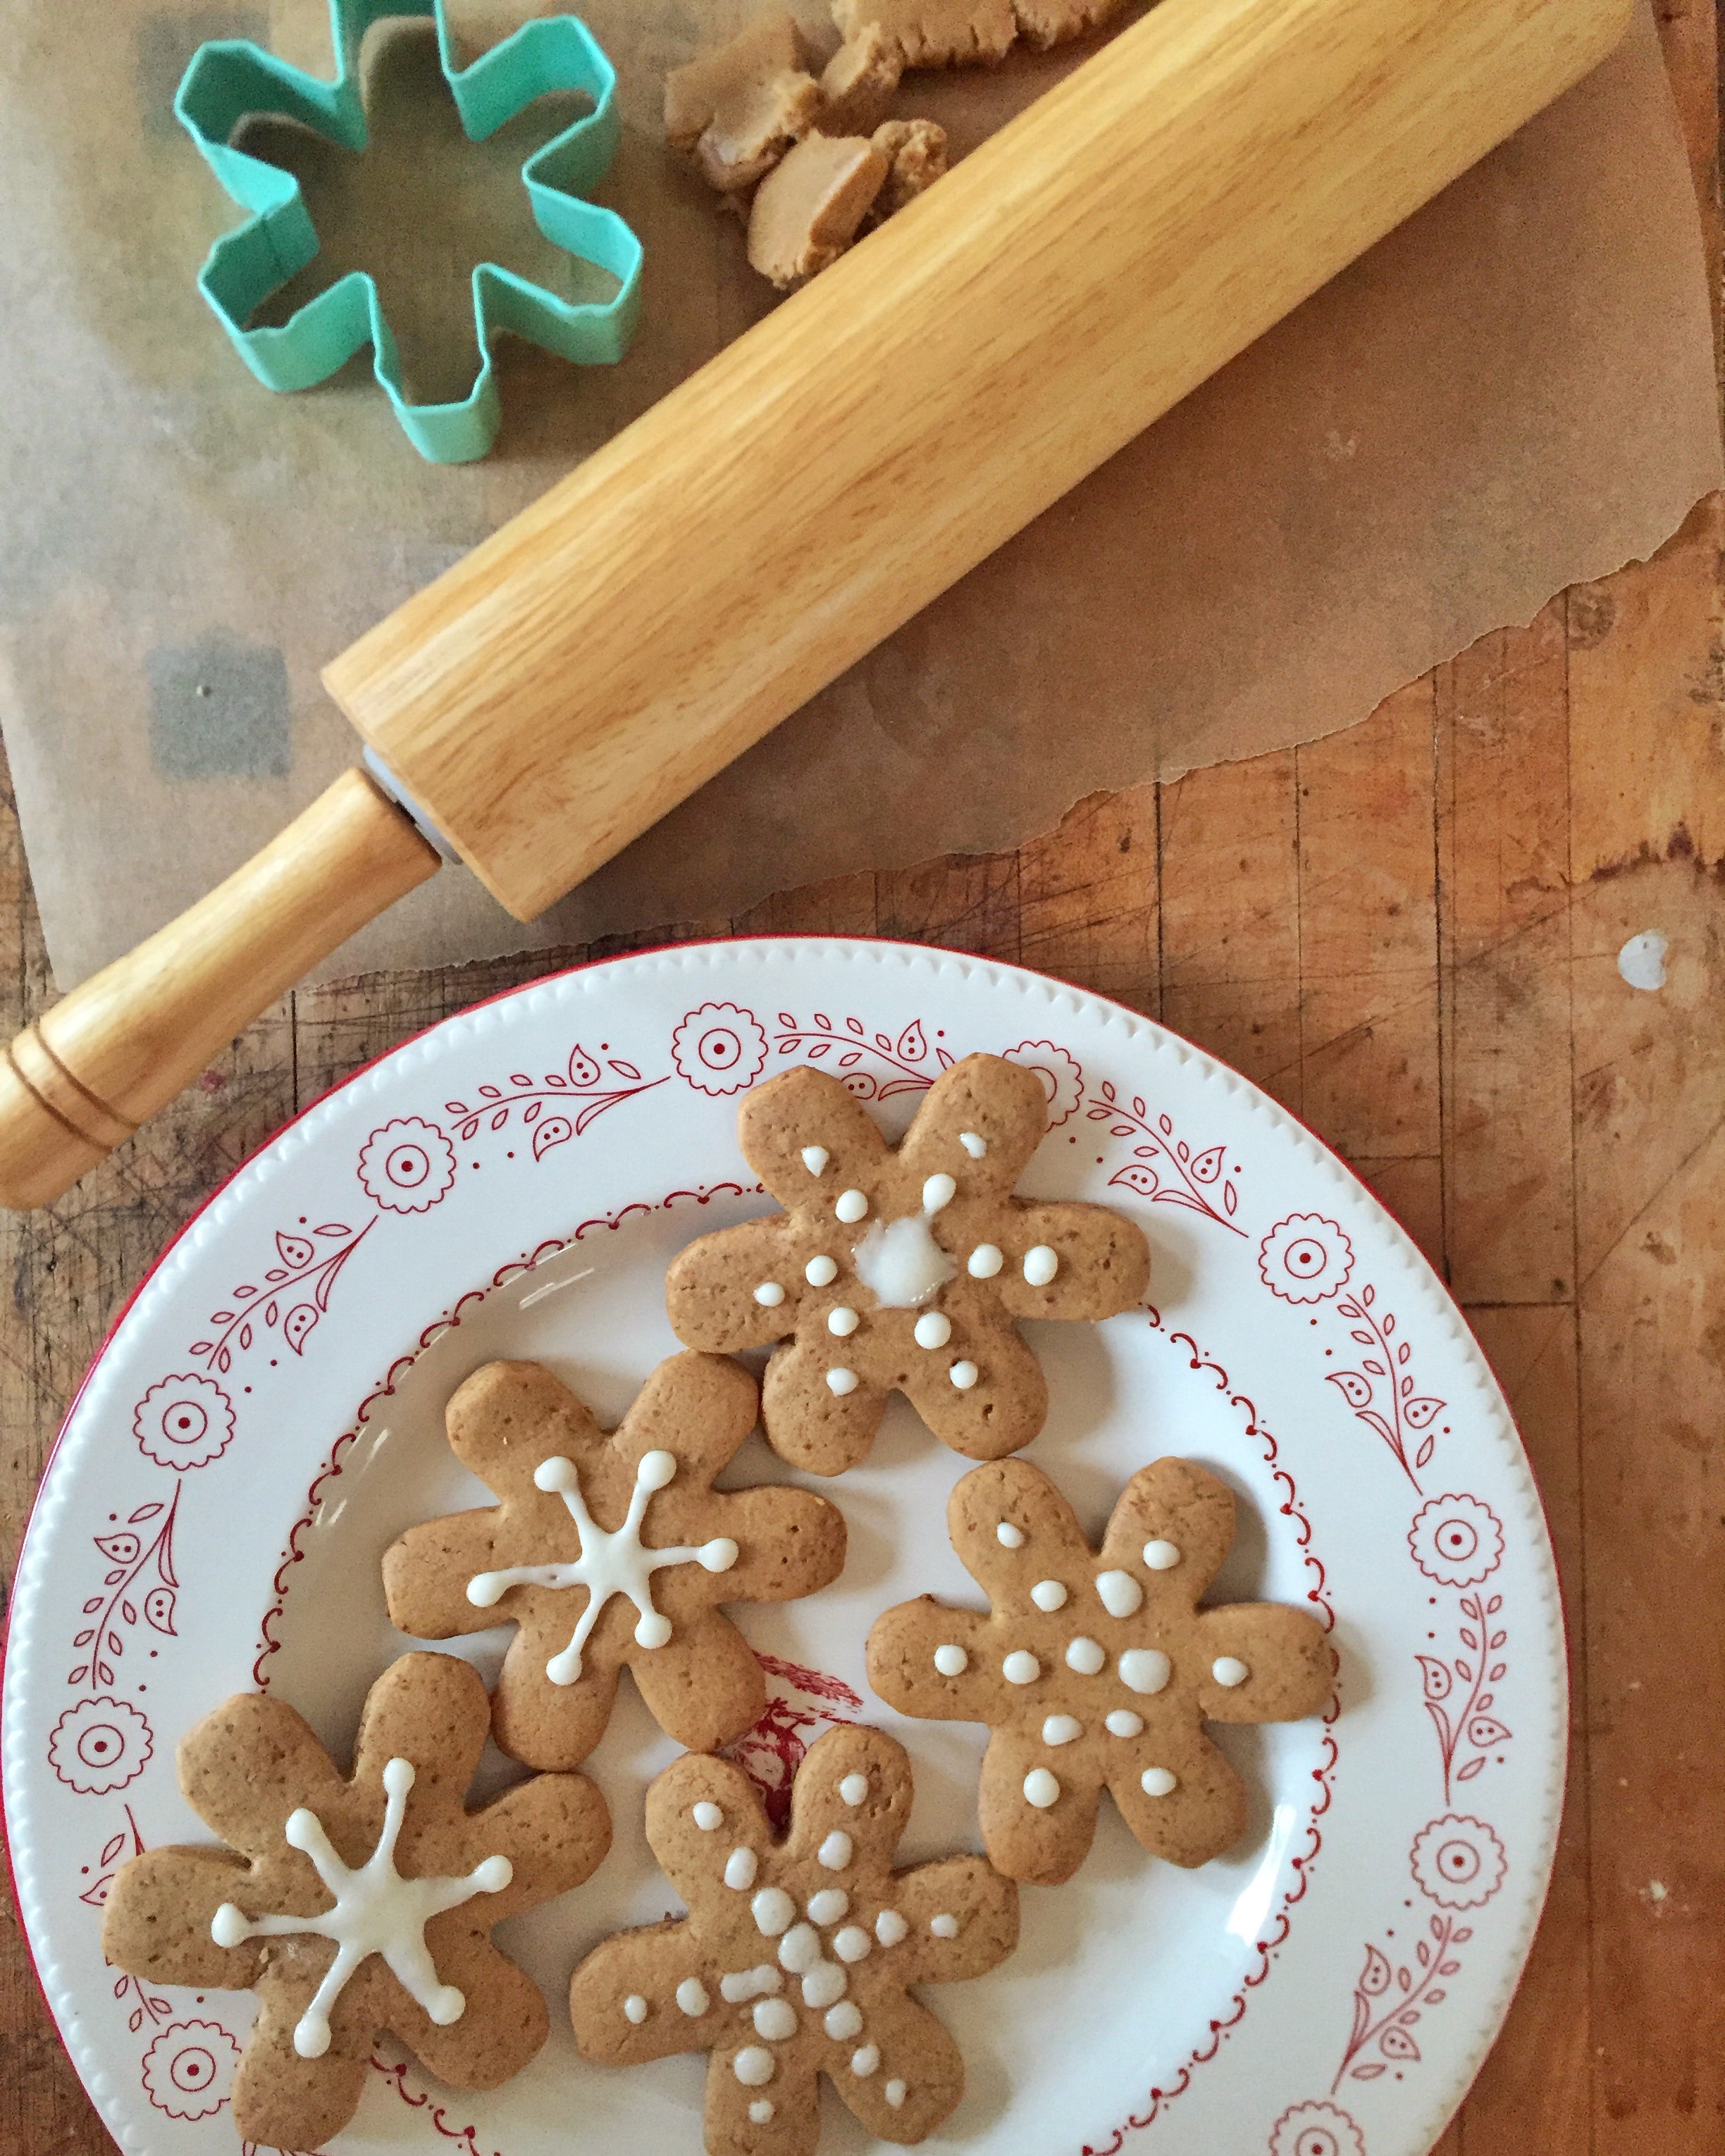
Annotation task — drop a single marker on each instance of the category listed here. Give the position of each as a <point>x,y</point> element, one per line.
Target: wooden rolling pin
<point>768,523</point>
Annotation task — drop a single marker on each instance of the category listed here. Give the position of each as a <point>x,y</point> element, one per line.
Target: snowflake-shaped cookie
<point>611,1550</point>
<point>796,1958</point>
<point>1099,1668</point>
<point>356,1906</point>
<point>900,1271</point>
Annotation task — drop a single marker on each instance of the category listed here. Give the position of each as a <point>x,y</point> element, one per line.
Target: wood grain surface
<point>1408,933</point>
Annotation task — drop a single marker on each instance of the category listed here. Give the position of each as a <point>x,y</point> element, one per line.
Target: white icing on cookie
<point>1122,1594</point>
<point>1008,1536</point>
<point>1041,1788</point>
<point>1158,1782</point>
<point>964,1374</point>
<point>939,1190</point>
<point>830,1906</point>
<point>1084,1655</point>
<point>844,2021</point>
<point>769,1295</point>
<point>899,1262</point>
<point>896,2093</point>
<point>821,1272</point>
<point>841,1381</point>
<point>773,1912</point>
<point>835,1851</point>
<point>761,2111</point>
<point>1229,1670</point>
<point>1161,1556</point>
<point>974,1146</point>
<point>634,2010</point>
<point>1144,1669</point>
<point>377,1912</point>
<point>707,1816</point>
<point>1123,1722</point>
<point>691,1997</point>
<point>944,1927</point>
<point>739,1985</point>
<point>1061,1729</point>
<point>932,1329</point>
<point>852,1206</point>
<point>842,1320</point>
<point>866,2062</point>
<point>853,1789</point>
<point>950,1661</point>
<point>754,2066</point>
<point>1049,1595</point>
<point>890,1928</point>
<point>740,1867</point>
<point>815,1160</point>
<point>776,2019</point>
<point>1041,1264</point>
<point>985,1261</point>
<point>1021,1667</point>
<point>853,1944</point>
<point>609,1564</point>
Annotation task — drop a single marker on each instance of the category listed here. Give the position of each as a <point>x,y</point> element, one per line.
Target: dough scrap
<point>811,205</point>
<point>916,154</point>
<point>1046,23</point>
<point>934,33</point>
<point>857,84</point>
<point>737,111</point>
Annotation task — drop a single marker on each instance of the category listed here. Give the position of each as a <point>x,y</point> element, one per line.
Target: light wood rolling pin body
<point>768,523</point>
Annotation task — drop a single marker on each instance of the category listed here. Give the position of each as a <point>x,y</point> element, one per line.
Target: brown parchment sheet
<point>1513,393</point>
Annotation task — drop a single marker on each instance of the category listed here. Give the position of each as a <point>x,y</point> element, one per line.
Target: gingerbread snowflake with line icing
<point>608,1552</point>
<point>798,1958</point>
<point>353,1906</point>
<point>901,1270</point>
<point>1098,1670</point>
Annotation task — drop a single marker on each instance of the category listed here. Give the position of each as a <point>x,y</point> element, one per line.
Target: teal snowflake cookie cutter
<point>231,79</point>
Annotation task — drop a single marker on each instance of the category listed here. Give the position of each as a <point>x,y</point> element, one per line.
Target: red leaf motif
<point>1165,1126</point>
<point>530,1113</point>
<point>116,1646</point>
<point>1132,1177</point>
<point>135,2021</point>
<point>1352,1388</point>
<point>1376,1369</point>
<point>86,1635</point>
<point>583,1069</point>
<point>1230,1199</point>
<point>470,1129</point>
<point>272,1310</point>
<point>1422,1951</point>
<point>1369,2071</point>
<point>1448,1968</point>
<point>816,1048</point>
<point>111,1849</point>
<point>500,1119</point>
<point>1494,1605</point>
<point>1468,1639</point>
<point>277,1273</point>
<point>296,1251</point>
<point>493,1092</point>
<point>1462,1934</point>
<point>884,1043</point>
<point>1423,1456</point>
<point>146,1512</point>
<point>201,1347</point>
<point>554,1130</point>
<point>1495,1674</point>
<point>127,1612</point>
<point>159,1610</point>
<point>788,1022</point>
<point>113,1578</point>
<point>1395,2043</point>
<point>1375,1979</point>
<point>97,1892</point>
<point>1403,1979</point>
<point>1485,1730</point>
<point>520,1078</point>
<point>942,1057</point>
<point>911,1045</point>
<point>625,1070</point>
<point>1467,1773</point>
<point>78,1675</point>
<point>850,1061</point>
<point>1421,1412</point>
<point>118,1549</point>
<point>1436,1674</point>
<point>1368,1295</point>
<point>90,1609</point>
<point>332,1228</point>
<point>221,1317</point>
<point>297,1324</point>
<point>241,1293</point>
<point>245,1337</point>
<point>556,1078</point>
<point>1403,1351</point>
<point>1365,1339</point>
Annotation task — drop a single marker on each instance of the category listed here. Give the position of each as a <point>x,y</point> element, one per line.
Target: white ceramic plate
<point>267,1416</point>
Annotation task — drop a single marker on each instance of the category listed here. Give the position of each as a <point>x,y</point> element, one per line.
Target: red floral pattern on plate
<point>188,2070</point>
<point>1381,1391</point>
<point>139,1585</point>
<point>1316,2129</point>
<point>1164,1168</point>
<point>1389,2000</point>
<point>184,1422</point>
<point>1306,1258</point>
<point>1456,1540</point>
<point>720,1049</point>
<point>101,1745</point>
<point>1061,1074</point>
<point>407,1166</point>
<point>292,1297</point>
<point>800,1704</point>
<point>1458,1861</point>
<point>577,1096</point>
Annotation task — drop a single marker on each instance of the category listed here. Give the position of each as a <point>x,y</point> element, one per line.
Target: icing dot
<point>863,2062</point>
<point>895,2093</point>
<point>937,1192</point>
<point>718,1555</point>
<point>799,1950</point>
<point>950,1661</point>
<point>737,1985</point>
<point>761,2111</point>
<point>1084,1655</point>
<point>815,1160</point>
<point>944,1927</point>
<point>853,1944</point>
<point>1161,1556</point>
<point>1061,1729</point>
<point>824,1984</point>
<point>820,1272</point>
<point>974,1146</point>
<point>1041,1788</point>
<point>1021,1667</point>
<point>691,1997</point>
<point>635,2008</point>
<point>1158,1782</point>
<point>932,1329</point>
<point>1144,1669</point>
<point>740,1870</point>
<point>1041,1264</point>
<point>851,1207</point>
<point>844,1321</point>
<point>1123,1722</point>
<point>841,1382</point>
<point>1008,1536</point>
<point>774,1911</point>
<point>1122,1594</point>
<point>1229,1670</point>
<point>834,1852</point>
<point>1049,1595</point>
<point>776,2019</point>
<point>844,2021</point>
<point>985,1261</point>
<point>828,1905</point>
<point>770,1294</point>
<point>964,1375</point>
<point>853,1788</point>
<point>754,2066</point>
<point>706,1816</point>
<point>656,1469</point>
<point>890,1928</point>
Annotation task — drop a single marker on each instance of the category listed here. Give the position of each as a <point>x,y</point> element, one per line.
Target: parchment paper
<point>1513,393</point>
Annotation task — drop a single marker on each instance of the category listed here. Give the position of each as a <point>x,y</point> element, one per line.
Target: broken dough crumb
<point>857,85</point>
<point>933,33</point>
<point>809,207</point>
<point>1044,23</point>
<point>738,109</point>
<point>915,151</point>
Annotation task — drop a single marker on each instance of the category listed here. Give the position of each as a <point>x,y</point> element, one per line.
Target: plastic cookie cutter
<point>231,80</point>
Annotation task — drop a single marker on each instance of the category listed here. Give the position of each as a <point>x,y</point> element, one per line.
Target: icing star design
<point>796,1959</point>
<point>900,1271</point>
<point>588,1598</point>
<point>1099,1668</point>
<point>356,1906</point>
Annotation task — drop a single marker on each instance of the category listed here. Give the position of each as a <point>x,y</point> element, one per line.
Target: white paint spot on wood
<point>1641,960</point>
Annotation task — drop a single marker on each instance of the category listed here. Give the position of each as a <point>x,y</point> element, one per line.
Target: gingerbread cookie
<point>900,1271</point>
<point>353,1906</point>
<point>608,1551</point>
<point>796,1959</point>
<point>1096,1669</point>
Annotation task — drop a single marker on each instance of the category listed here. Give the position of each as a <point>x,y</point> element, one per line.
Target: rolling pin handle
<point>81,1081</point>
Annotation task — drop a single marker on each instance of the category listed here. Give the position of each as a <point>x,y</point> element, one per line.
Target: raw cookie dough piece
<point>857,84</point>
<point>796,1959</point>
<point>737,111</point>
<point>1096,1670</point>
<point>351,1907</point>
<point>608,1551</point>
<point>811,205</point>
<point>901,1270</point>
<point>916,150</point>
<point>1044,23</point>
<point>933,33</point>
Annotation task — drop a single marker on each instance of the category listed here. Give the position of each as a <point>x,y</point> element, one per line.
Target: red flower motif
<point>408,1166</point>
<point>1062,1076</point>
<point>184,1423</point>
<point>1458,1861</point>
<point>1457,1541</point>
<point>1316,2129</point>
<point>1306,1258</point>
<point>100,1746</point>
<point>720,1049</point>
<point>188,2069</point>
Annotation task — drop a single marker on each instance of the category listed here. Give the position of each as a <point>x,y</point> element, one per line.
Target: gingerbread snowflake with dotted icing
<point>901,1270</point>
<point>353,1906</point>
<point>1098,1670</point>
<point>608,1552</point>
<point>798,1958</point>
